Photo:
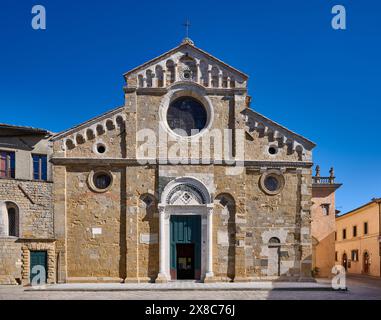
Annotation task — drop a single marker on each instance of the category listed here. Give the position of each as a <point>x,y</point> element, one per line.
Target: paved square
<point>360,288</point>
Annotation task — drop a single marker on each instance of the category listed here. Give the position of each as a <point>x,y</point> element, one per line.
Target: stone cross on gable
<point>187,25</point>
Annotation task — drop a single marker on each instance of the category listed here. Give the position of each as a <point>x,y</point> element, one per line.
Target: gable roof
<point>184,44</point>
<point>274,124</point>
<point>356,210</point>
<point>83,125</point>
<point>13,130</point>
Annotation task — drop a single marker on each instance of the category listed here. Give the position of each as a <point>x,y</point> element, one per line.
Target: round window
<point>186,116</point>
<point>100,181</point>
<point>273,150</point>
<point>101,148</point>
<point>272,182</point>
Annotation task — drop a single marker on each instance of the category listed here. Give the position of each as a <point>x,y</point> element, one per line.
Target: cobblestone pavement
<point>359,288</point>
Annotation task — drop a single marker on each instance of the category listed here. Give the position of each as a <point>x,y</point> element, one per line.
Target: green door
<point>185,230</point>
<point>38,266</point>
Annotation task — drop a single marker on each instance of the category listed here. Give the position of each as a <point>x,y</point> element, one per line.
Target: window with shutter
<point>7,164</point>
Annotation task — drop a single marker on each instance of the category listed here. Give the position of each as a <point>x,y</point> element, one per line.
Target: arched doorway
<point>345,261</point>
<point>366,262</point>
<point>273,267</point>
<point>185,231</point>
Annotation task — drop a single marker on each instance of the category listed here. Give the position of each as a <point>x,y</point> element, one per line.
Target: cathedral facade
<point>184,181</point>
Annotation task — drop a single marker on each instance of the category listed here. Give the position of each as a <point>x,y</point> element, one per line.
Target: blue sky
<point>317,81</point>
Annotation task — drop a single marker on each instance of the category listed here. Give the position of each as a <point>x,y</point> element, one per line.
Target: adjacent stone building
<point>184,181</point>
<point>26,212</point>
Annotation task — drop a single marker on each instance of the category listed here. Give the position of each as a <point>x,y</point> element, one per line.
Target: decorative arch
<point>140,81</point>
<point>170,65</point>
<point>149,76</point>
<point>110,124</point>
<point>100,129</point>
<point>9,219</point>
<point>90,135</point>
<point>225,199</point>
<point>69,144</point>
<point>159,76</point>
<point>79,138</point>
<point>187,189</point>
<point>187,68</point>
<point>274,241</point>
<point>204,73</point>
<point>215,76</point>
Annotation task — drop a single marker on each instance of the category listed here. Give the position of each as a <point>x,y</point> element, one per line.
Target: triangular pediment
<point>91,129</point>
<point>186,62</point>
<point>255,121</point>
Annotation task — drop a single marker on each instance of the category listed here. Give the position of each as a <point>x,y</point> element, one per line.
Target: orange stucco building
<point>323,226</point>
<point>358,240</point>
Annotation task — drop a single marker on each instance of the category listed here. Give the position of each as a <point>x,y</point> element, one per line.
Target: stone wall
<point>94,223</point>
<point>10,261</point>
<point>126,217</point>
<point>33,199</point>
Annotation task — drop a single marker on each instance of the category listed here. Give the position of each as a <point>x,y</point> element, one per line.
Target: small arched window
<point>224,80</point>
<point>159,76</point>
<point>140,81</point>
<point>170,72</point>
<point>274,241</point>
<point>12,222</point>
<point>149,77</point>
<point>204,73</point>
<point>215,75</point>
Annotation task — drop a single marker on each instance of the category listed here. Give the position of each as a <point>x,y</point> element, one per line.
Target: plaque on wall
<point>149,238</point>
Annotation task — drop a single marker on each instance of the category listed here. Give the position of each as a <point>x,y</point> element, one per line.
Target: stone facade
<point>127,186</point>
<point>32,204</point>
<point>123,233</point>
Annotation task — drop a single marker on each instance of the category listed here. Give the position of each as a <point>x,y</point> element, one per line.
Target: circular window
<point>187,74</point>
<point>100,181</point>
<point>273,150</point>
<point>101,148</point>
<point>186,116</point>
<point>272,182</point>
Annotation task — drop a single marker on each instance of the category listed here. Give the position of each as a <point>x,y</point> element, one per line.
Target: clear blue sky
<point>319,82</point>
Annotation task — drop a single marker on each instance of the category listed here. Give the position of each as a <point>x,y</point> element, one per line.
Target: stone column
<point>198,79</point>
<point>162,276</point>
<point>175,71</point>
<point>155,80</point>
<point>3,219</point>
<point>305,190</point>
<point>209,76</point>
<point>164,78</point>
<point>209,267</point>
